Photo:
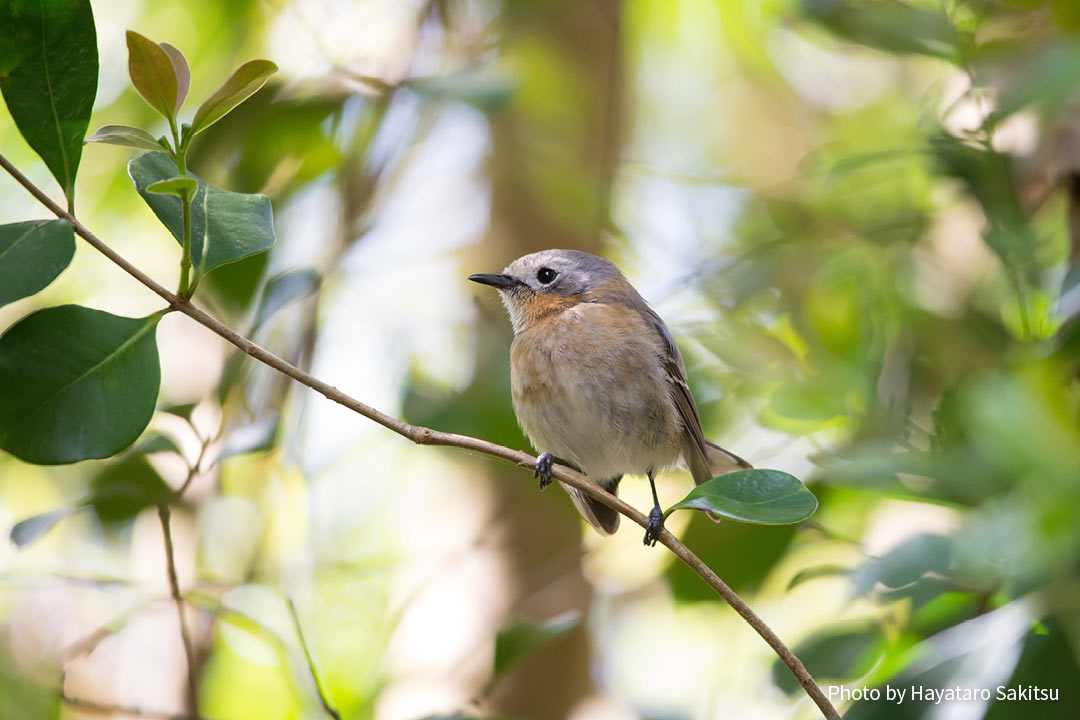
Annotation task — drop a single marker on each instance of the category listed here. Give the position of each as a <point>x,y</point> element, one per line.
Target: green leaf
<point>125,136</point>
<point>229,225</point>
<point>78,384</point>
<point>32,254</point>
<point>155,442</point>
<point>246,79</point>
<point>49,73</point>
<point>125,487</point>
<point>764,497</point>
<point>888,25</point>
<point>180,70</point>
<point>152,74</point>
<point>181,187</point>
<point>836,655</point>
<point>522,638</point>
<point>906,563</point>
<point>183,410</point>
<point>283,289</point>
<point>35,527</point>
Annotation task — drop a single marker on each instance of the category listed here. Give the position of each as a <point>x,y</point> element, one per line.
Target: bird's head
<point>536,285</point>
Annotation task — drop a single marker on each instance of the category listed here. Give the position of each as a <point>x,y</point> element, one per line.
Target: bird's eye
<point>546,275</point>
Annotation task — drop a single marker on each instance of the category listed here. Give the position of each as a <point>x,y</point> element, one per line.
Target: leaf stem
<point>330,710</point>
<point>185,288</point>
<point>426,436</point>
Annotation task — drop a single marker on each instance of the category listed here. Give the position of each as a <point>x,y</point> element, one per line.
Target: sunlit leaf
<point>32,255</point>
<point>247,78</point>
<point>78,384</point>
<point>126,137</point>
<point>180,70</point>
<point>225,226</point>
<point>283,289</point>
<point>152,73</point>
<point>522,638</point>
<point>764,497</point>
<point>48,75</point>
<point>182,187</point>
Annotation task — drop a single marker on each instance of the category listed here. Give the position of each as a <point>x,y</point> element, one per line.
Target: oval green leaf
<point>78,384</point>
<point>228,225</point>
<point>181,187</point>
<point>152,73</point>
<point>762,497</point>
<point>241,85</point>
<point>125,136</point>
<point>49,73</point>
<point>32,254</point>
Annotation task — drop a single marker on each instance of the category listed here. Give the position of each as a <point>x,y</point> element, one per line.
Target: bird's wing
<point>703,458</point>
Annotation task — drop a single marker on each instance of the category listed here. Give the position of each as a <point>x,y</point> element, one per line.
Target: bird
<point>597,381</point>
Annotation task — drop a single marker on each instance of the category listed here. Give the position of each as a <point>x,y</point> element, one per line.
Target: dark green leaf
<point>256,437</point>
<point>155,442</point>
<point>180,70</point>
<point>247,78</point>
<point>231,225</point>
<point>522,638</point>
<point>32,254</point>
<point>78,384</point>
<point>181,187</point>
<point>34,528</point>
<point>834,655</point>
<point>125,487</point>
<point>183,410</point>
<point>152,73</point>
<point>49,72</point>
<point>125,136</point>
<point>888,25</point>
<point>764,497</point>
<point>283,289</point>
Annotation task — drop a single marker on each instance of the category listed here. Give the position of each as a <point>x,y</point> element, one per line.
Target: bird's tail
<point>722,461</point>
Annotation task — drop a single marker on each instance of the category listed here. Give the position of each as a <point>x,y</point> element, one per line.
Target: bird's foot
<point>542,469</point>
<point>654,526</point>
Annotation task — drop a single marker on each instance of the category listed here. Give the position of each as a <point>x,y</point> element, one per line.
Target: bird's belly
<point>604,415</point>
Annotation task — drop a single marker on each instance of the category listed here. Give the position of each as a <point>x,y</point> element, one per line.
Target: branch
<point>426,436</point>
<point>311,663</point>
<point>96,708</point>
<point>178,599</point>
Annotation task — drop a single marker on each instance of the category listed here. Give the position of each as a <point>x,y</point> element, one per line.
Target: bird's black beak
<point>502,282</point>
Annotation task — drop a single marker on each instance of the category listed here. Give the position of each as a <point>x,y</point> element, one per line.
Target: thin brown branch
<point>96,708</point>
<point>427,436</point>
<point>178,599</point>
<point>323,698</point>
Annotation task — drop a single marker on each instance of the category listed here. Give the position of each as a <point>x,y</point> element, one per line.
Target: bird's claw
<point>542,469</point>
<point>654,526</point>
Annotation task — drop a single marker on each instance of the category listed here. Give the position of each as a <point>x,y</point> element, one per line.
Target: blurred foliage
<point>885,300</point>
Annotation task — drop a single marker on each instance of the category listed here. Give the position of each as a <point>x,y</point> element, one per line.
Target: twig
<point>427,436</point>
<point>178,600</point>
<point>311,663</point>
<point>96,708</point>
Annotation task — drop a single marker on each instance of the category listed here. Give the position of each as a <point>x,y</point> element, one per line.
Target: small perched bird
<point>598,382</point>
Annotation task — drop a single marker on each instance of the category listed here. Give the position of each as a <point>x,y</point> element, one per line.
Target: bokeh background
<point>857,218</point>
